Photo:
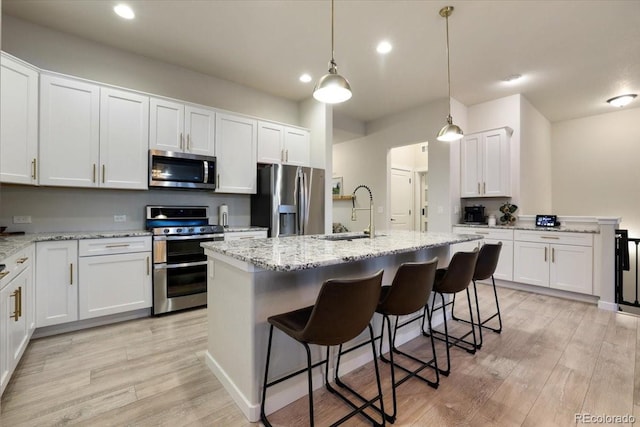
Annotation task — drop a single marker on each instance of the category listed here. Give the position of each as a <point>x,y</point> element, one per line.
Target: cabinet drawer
<point>117,245</point>
<point>555,237</point>
<point>15,264</point>
<point>245,235</point>
<point>487,233</point>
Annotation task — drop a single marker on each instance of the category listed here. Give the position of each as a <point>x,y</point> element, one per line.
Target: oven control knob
<point>165,231</point>
<point>178,230</point>
<point>203,229</point>
<point>191,230</point>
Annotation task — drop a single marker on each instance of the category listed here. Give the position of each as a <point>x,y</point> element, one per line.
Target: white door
<point>504,269</point>
<point>69,132</point>
<point>112,284</point>
<point>19,118</point>
<point>166,125</point>
<point>56,282</point>
<point>401,200</point>
<point>236,153</point>
<point>124,139</point>
<point>572,268</point>
<point>270,142</point>
<point>531,263</point>
<point>495,164</point>
<point>199,126</point>
<point>471,165</point>
<point>296,146</point>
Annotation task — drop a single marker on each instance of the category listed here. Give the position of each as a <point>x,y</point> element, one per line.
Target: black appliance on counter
<point>179,263</point>
<point>474,215</point>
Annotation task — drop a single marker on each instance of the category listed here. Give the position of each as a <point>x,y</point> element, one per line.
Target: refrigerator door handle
<point>302,201</point>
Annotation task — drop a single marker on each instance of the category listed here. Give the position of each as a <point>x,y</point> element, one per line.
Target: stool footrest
<point>455,341</point>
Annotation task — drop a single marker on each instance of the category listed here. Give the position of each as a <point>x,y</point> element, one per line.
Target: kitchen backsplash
<point>79,209</point>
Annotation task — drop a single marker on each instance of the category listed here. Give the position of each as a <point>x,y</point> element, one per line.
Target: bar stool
<point>485,268</point>
<point>343,310</point>
<point>451,280</point>
<point>408,293</point>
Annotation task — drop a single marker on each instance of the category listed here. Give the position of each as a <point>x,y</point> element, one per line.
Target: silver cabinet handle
<point>484,188</point>
<point>545,254</point>
<point>104,172</point>
<point>188,142</point>
<point>33,168</point>
<point>148,266</point>
<point>118,245</point>
<point>482,232</point>
<point>218,181</point>
<point>181,141</point>
<point>287,156</point>
<point>550,237</point>
<point>553,254</point>
<point>94,172</point>
<point>70,274</point>
<point>478,188</point>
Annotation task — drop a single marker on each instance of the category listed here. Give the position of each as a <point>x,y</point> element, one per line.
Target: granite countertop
<point>11,244</point>
<point>304,252</point>
<point>526,227</point>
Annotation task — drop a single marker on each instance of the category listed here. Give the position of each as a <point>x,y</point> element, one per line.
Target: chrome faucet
<point>371,229</point>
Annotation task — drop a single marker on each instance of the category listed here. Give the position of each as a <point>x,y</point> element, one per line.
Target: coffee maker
<point>474,214</point>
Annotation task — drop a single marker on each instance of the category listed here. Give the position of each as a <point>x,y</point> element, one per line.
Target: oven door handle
<point>215,237</point>
<point>165,266</point>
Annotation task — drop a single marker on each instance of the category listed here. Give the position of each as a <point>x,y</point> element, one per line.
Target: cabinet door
<point>56,282</point>
<point>504,270</point>
<point>531,263</point>
<point>496,164</point>
<point>199,127</point>
<point>69,132</point>
<point>236,152</point>
<point>166,125</point>
<point>124,139</point>
<point>245,235</point>
<point>571,268</point>
<point>296,146</point>
<point>112,284</point>
<point>15,308</point>
<point>19,118</point>
<point>270,142</point>
<point>471,165</point>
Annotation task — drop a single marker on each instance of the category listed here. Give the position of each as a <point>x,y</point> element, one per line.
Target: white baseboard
<point>609,306</point>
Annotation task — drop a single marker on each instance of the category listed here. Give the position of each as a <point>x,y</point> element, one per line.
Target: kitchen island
<point>248,281</point>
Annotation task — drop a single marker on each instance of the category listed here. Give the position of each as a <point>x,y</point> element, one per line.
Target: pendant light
<point>332,88</point>
<point>449,132</point>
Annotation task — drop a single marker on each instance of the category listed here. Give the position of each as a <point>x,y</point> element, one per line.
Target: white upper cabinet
<point>485,166</point>
<point>92,136</point>
<point>236,154</point>
<point>124,139</point>
<point>175,126</point>
<point>69,132</point>
<point>283,144</point>
<point>19,118</point>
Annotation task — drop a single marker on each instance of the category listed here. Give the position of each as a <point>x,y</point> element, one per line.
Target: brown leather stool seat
<point>408,293</point>
<point>451,280</point>
<point>343,309</point>
<point>485,268</point>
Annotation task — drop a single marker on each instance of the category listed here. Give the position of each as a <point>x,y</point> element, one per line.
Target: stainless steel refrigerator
<point>289,200</point>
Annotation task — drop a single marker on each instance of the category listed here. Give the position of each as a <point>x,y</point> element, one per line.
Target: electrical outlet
<point>119,218</point>
<point>22,219</point>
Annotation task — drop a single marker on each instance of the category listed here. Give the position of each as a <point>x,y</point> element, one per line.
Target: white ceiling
<point>574,54</point>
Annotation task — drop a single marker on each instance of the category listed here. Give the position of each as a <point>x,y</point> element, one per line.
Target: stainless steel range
<point>179,263</point>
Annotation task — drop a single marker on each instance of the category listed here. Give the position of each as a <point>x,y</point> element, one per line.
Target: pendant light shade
<point>332,88</point>
<point>450,132</point>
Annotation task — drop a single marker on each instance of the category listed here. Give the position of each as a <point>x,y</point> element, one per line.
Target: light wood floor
<point>554,358</point>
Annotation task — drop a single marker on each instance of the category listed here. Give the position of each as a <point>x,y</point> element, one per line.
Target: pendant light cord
<point>448,64</point>
<point>333,61</point>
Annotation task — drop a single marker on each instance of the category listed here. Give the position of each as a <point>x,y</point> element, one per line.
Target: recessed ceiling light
<point>384,47</point>
<point>305,78</point>
<point>622,100</point>
<point>512,78</point>
<point>124,11</point>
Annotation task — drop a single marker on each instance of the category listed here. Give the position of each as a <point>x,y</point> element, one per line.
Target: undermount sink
<point>340,236</point>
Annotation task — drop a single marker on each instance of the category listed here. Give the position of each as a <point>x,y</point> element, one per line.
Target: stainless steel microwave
<point>170,169</point>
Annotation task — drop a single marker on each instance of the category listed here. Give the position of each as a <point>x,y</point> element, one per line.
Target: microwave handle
<point>205,164</point>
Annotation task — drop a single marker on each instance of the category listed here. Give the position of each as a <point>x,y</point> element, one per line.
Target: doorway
<point>408,187</point>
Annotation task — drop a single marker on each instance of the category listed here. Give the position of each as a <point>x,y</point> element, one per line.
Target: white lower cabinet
<point>89,278</point>
<point>56,282</point>
<point>17,307</point>
<point>557,260</point>
<point>113,284</point>
<point>504,269</point>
